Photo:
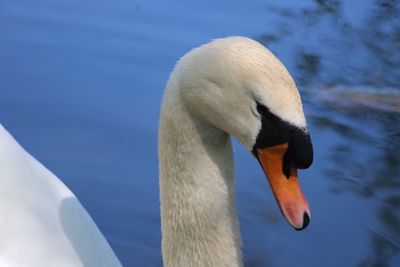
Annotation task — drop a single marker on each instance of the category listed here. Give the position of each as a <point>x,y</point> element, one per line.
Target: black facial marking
<point>275,131</point>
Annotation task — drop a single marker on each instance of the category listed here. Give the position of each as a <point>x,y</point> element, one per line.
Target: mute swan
<point>228,87</point>
<point>231,86</point>
<point>42,224</point>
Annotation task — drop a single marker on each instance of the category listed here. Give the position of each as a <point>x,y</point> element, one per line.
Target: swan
<point>235,87</point>
<point>230,87</point>
<point>42,223</point>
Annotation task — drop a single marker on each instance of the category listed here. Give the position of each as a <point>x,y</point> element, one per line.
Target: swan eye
<point>261,109</point>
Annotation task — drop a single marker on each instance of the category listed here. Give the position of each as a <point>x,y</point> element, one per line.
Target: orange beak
<point>287,191</point>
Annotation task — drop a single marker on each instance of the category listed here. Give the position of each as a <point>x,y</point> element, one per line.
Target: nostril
<point>306,221</point>
<point>286,165</point>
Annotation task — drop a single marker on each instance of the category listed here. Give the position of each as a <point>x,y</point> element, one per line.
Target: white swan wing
<point>41,221</point>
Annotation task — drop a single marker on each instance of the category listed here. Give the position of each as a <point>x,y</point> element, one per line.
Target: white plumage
<point>42,224</point>
<point>212,94</point>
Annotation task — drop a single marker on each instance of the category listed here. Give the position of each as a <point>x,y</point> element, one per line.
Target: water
<point>81,84</point>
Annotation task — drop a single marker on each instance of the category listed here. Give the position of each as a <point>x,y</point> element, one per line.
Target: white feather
<point>212,94</point>
<point>41,221</point>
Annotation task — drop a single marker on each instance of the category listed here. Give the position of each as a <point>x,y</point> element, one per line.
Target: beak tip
<point>306,222</point>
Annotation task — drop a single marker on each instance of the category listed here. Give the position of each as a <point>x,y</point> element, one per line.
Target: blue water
<point>80,88</point>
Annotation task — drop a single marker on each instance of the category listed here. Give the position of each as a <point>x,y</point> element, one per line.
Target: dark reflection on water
<point>335,41</point>
<point>81,85</point>
<point>367,165</point>
<point>383,251</point>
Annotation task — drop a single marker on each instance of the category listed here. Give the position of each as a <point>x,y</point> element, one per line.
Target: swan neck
<point>197,191</point>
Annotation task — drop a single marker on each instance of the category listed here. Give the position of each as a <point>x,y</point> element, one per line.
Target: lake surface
<point>81,84</point>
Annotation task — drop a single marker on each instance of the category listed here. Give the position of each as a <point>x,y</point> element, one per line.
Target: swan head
<point>241,88</point>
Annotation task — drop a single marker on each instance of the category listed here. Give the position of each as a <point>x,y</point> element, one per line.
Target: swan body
<point>41,221</point>
<point>214,92</point>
